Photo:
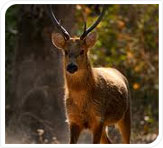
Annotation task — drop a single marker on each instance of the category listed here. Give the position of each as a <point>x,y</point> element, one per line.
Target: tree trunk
<point>37,83</point>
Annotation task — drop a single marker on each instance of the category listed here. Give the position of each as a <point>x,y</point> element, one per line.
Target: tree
<point>37,88</point>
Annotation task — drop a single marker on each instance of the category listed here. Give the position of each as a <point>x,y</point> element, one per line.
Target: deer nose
<point>71,68</point>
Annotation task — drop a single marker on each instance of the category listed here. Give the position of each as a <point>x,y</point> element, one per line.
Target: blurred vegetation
<point>128,41</point>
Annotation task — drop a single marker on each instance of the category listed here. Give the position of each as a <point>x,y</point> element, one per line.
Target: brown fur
<point>97,97</point>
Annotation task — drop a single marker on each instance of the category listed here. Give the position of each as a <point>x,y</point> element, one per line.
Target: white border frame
<point>6,4</point>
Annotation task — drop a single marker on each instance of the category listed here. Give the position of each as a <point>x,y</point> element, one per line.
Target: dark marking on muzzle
<point>71,68</point>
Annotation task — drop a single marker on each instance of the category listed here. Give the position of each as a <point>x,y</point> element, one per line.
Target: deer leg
<point>74,133</point>
<point>97,133</point>
<point>104,138</point>
<point>124,126</point>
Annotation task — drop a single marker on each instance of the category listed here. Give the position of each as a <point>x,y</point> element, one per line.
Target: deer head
<point>75,49</point>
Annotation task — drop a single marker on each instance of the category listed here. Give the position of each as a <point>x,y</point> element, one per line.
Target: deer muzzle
<point>72,68</point>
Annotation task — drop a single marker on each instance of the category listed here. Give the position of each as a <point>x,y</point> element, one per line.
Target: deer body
<point>97,97</point>
<point>101,96</point>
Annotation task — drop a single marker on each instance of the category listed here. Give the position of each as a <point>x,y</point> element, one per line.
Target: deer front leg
<point>97,132</point>
<point>104,138</point>
<point>74,133</point>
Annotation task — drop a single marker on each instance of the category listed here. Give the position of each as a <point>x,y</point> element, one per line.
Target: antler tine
<point>85,26</point>
<point>85,22</point>
<point>86,31</point>
<point>58,25</point>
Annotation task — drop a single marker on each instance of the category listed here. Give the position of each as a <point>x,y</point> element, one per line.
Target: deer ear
<point>90,39</point>
<point>58,40</point>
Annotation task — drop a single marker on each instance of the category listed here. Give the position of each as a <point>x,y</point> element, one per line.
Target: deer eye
<point>66,52</point>
<point>81,52</point>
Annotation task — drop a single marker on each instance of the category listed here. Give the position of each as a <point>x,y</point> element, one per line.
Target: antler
<point>86,31</point>
<point>58,25</point>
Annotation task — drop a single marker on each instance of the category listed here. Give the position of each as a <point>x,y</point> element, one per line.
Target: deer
<point>96,98</point>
